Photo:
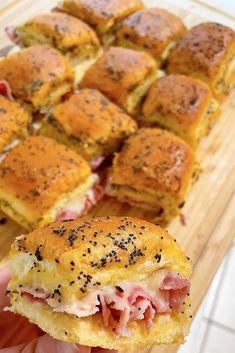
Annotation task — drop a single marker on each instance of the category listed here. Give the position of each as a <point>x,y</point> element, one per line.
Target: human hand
<point>18,335</point>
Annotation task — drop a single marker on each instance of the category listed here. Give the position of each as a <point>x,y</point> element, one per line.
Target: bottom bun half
<point>90,331</point>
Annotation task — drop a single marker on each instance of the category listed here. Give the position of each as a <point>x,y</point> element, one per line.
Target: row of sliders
<point>42,180</point>
<point>119,93</point>
<point>205,52</point>
<point>39,78</point>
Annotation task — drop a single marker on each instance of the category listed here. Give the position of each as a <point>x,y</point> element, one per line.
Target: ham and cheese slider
<point>41,181</point>
<point>90,124</point>
<point>153,30</point>
<point>13,119</point>
<point>74,38</point>
<point>102,15</point>
<point>183,105</point>
<point>123,75</point>
<point>206,52</point>
<point>153,171</point>
<point>118,283</point>
<point>38,75</point>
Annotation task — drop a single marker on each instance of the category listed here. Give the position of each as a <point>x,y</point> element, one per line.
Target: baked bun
<point>123,75</point>
<point>103,15</point>
<point>13,123</point>
<point>206,52</point>
<point>38,75</point>
<point>68,34</point>
<point>40,179</point>
<point>152,30</point>
<point>183,105</point>
<point>153,171</point>
<point>65,274</point>
<point>90,124</point>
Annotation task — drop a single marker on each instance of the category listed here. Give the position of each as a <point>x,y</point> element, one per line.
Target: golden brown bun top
<point>13,119</point>
<point>39,170</point>
<point>90,114</point>
<point>181,97</point>
<point>202,50</point>
<point>154,159</point>
<point>106,247</point>
<point>118,71</point>
<point>30,69</point>
<point>152,29</point>
<point>98,12</point>
<point>68,29</point>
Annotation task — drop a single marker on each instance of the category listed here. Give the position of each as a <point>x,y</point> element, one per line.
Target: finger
<point>43,344</point>
<point>15,329</point>
<point>102,350</point>
<point>5,277</point>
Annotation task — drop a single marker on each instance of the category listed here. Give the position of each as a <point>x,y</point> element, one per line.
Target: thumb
<point>43,344</point>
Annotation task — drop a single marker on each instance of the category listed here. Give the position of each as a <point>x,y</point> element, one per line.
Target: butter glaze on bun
<point>206,52</point>
<point>183,105</point>
<point>153,30</point>
<point>13,123</point>
<point>90,124</point>
<point>123,75</point>
<point>39,75</point>
<point>39,178</point>
<point>66,33</point>
<point>102,15</point>
<point>154,171</point>
<point>114,282</point>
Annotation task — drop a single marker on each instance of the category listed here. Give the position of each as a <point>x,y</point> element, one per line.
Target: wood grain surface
<point>209,213</point>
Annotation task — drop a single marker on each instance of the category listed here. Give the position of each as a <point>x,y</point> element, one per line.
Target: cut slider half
<point>90,124</point>
<point>41,181</point>
<point>118,283</point>
<point>71,36</point>
<point>14,121</point>
<point>183,105</point>
<point>206,52</point>
<point>123,75</point>
<point>153,30</point>
<point>38,76</point>
<point>102,15</point>
<point>153,171</point>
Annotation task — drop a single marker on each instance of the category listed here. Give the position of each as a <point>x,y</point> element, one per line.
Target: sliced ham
<point>11,33</point>
<point>88,305</point>
<point>5,89</point>
<point>176,287</point>
<point>97,163</point>
<point>125,303</point>
<point>66,215</point>
<point>35,295</point>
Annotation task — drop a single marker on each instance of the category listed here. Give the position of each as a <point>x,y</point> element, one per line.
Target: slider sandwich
<point>102,15</point>
<point>90,124</point>
<point>153,171</point>
<point>181,104</point>
<point>13,120</point>
<point>153,30</point>
<point>41,181</point>
<point>74,38</point>
<point>206,52</point>
<point>123,75</point>
<point>38,76</point>
<point>118,283</point>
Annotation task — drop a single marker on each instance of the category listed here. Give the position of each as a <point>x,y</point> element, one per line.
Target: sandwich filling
<point>80,205</point>
<point>5,90</point>
<point>120,305</point>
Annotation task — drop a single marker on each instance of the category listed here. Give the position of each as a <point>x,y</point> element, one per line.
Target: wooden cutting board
<point>206,227</point>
